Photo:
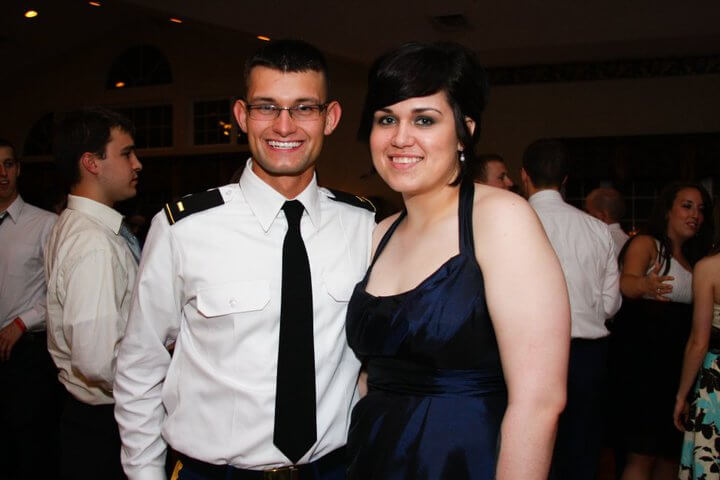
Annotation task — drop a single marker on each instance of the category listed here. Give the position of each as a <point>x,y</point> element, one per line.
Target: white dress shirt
<point>211,284</point>
<point>619,237</point>
<point>90,273</point>
<point>23,235</point>
<point>587,255</point>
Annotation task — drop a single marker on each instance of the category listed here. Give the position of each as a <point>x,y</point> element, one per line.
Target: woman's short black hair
<point>422,69</point>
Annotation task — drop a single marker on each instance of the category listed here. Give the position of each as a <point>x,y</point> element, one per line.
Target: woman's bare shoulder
<point>495,207</point>
<point>709,265</point>
<point>643,244</point>
<point>486,196</point>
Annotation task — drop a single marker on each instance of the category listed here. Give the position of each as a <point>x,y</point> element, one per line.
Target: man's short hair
<point>546,163</point>
<point>481,173</point>
<point>4,143</point>
<point>81,131</point>
<point>608,200</point>
<point>288,55</point>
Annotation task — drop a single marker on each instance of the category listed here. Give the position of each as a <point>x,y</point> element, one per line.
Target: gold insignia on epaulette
<point>366,200</point>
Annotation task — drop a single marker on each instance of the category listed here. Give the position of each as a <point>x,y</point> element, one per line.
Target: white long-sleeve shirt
<point>23,235</point>
<point>90,273</point>
<point>586,252</point>
<point>211,284</point>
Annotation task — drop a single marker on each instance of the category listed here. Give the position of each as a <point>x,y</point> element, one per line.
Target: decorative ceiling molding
<point>612,70</point>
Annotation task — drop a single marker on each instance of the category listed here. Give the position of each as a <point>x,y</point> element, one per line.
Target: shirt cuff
<point>32,319</point>
<point>146,473</point>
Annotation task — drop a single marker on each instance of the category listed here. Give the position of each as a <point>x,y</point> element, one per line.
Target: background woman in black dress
<point>652,327</point>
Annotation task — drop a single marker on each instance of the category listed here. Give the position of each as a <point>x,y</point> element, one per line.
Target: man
<point>493,171</point>
<point>90,270</point>
<point>586,252</point>
<point>607,205</point>
<point>27,375</point>
<point>252,289</point>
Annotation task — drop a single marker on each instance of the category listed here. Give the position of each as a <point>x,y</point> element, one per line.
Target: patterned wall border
<point>617,69</point>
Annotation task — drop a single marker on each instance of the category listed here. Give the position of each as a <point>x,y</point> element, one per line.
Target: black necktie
<point>295,425</point>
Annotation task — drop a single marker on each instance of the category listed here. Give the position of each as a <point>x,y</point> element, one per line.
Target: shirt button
<point>233,302</point>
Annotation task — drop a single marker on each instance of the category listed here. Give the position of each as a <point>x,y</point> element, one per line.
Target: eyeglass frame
<point>277,109</point>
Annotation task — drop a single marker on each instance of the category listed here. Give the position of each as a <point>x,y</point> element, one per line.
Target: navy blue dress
<point>436,393</point>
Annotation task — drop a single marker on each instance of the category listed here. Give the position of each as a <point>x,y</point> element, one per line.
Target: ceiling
<point>508,32</point>
<point>511,32</point>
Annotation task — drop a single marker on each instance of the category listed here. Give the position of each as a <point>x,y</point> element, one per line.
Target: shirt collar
<point>548,194</point>
<point>15,208</point>
<point>266,202</point>
<point>108,216</point>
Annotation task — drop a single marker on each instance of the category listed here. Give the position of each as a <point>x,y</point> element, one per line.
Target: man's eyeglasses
<point>267,111</point>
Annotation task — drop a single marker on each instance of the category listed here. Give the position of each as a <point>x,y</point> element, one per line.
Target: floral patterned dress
<point>701,446</point>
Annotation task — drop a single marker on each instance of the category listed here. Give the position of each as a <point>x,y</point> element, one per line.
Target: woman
<point>464,295</point>
<point>653,325</point>
<point>701,447</point>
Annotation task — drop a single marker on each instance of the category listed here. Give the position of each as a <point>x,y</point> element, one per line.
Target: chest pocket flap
<point>233,297</point>
<point>339,286</point>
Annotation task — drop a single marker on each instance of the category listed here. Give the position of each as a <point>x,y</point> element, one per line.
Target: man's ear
<point>89,162</point>
<point>333,112</point>
<point>241,114</point>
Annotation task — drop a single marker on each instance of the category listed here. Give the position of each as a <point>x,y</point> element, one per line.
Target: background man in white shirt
<point>586,252</point>
<point>90,270</point>
<point>212,282</point>
<point>28,383</point>
<point>493,171</point>
<point>607,204</point>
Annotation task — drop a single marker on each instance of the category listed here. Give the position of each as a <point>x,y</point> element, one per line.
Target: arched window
<point>139,66</point>
<point>39,140</point>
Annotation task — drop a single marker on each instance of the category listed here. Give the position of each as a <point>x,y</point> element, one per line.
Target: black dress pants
<point>30,402</point>
<point>89,442</point>
<point>581,425</point>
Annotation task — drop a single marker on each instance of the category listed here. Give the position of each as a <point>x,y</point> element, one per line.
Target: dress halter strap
<point>465,218</point>
<point>386,237</point>
<point>465,222</point>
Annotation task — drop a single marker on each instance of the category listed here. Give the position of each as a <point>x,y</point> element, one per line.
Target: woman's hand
<point>680,413</point>
<point>655,286</point>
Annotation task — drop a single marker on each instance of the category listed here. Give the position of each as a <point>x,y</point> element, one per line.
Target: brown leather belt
<point>307,471</point>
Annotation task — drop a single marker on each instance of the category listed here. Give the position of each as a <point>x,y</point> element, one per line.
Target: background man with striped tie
<point>27,375</point>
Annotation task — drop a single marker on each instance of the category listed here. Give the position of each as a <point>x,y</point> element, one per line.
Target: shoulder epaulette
<point>354,200</point>
<point>194,203</point>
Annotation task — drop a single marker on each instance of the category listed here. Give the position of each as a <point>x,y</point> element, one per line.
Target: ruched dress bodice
<point>436,394</point>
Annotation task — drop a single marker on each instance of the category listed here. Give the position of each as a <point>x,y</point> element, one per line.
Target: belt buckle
<point>282,473</point>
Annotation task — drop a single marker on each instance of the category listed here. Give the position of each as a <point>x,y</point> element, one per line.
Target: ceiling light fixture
<point>263,38</point>
<point>95,4</point>
<point>175,20</point>
<point>119,84</point>
<point>31,14</point>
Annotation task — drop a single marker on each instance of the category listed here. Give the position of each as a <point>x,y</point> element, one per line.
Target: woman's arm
<point>697,344</point>
<point>635,282</point>
<point>528,303</point>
